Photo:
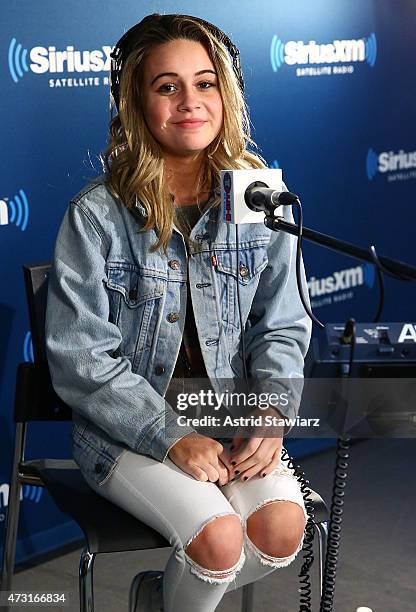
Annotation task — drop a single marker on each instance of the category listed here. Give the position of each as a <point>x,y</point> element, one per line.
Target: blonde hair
<point>133,159</point>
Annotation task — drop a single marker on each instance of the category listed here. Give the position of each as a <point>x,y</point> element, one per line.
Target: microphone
<point>259,196</point>
<point>245,194</point>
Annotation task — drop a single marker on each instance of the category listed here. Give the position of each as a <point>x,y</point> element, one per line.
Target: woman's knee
<point>219,544</point>
<point>277,528</point>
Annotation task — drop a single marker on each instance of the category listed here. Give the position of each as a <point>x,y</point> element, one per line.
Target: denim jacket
<point>115,317</point>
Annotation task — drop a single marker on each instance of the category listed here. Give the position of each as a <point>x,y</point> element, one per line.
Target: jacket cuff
<point>284,395</point>
<point>157,439</point>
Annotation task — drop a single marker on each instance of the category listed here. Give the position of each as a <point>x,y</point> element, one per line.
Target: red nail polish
<point>263,475</point>
<point>236,471</point>
<point>245,477</point>
<point>232,447</point>
<point>233,462</point>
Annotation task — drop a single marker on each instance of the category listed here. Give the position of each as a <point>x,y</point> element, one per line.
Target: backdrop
<point>331,90</point>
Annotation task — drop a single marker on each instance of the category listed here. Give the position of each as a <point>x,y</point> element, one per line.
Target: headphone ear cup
<point>120,53</point>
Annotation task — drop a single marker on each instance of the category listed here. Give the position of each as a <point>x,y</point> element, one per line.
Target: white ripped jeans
<point>178,506</point>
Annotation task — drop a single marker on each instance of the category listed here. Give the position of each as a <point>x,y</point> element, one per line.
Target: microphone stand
<point>390,266</point>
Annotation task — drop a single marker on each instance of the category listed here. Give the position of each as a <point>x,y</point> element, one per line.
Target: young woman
<point>144,290</point>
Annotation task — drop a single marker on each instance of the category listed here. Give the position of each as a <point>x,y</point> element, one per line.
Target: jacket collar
<point>142,211</point>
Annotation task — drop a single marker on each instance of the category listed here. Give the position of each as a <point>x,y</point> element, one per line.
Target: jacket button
<point>243,271</point>
<point>173,317</point>
<point>174,264</point>
<point>159,369</point>
<point>98,468</point>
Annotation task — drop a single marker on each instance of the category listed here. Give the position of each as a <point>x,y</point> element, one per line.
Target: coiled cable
<point>338,494</point>
<point>305,589</point>
<point>335,521</point>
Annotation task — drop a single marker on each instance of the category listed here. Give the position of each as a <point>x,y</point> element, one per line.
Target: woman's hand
<point>258,454</point>
<point>199,456</point>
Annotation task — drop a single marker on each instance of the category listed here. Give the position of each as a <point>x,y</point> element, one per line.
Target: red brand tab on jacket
<point>213,261</point>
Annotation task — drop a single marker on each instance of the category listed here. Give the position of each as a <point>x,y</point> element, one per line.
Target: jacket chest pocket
<point>246,272</point>
<point>134,297</point>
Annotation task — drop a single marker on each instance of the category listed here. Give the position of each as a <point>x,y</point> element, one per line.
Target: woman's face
<point>183,106</point>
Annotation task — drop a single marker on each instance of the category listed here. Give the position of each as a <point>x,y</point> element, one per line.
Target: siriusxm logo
<point>28,348</point>
<point>389,161</point>
<point>342,280</point>
<point>29,492</point>
<point>312,53</point>
<point>48,59</point>
<point>15,210</point>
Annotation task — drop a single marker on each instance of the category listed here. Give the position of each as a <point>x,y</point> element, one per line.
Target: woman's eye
<point>170,87</point>
<point>206,84</point>
<point>167,88</point>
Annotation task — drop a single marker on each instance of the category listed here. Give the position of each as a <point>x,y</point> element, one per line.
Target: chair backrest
<point>35,398</point>
<point>36,284</point>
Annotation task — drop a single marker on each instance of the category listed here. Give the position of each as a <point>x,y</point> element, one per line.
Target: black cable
<point>237,272</point>
<point>298,265</point>
<point>337,502</point>
<point>379,270</point>
<point>352,331</point>
<point>335,522</point>
<point>386,270</point>
<point>305,589</point>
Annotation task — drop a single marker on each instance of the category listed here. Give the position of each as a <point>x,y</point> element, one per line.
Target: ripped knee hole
<point>215,553</point>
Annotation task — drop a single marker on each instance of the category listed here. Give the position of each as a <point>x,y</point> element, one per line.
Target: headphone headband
<point>128,42</point>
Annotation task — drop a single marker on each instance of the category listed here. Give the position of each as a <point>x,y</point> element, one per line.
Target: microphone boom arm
<point>391,266</point>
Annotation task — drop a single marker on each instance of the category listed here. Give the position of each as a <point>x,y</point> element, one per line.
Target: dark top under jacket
<point>190,363</point>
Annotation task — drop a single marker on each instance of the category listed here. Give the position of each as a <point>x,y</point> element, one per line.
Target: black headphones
<point>128,42</point>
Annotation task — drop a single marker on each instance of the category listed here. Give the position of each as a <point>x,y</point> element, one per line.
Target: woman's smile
<point>190,124</point>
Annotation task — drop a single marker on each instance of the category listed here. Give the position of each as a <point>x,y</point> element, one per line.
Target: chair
<point>36,400</point>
